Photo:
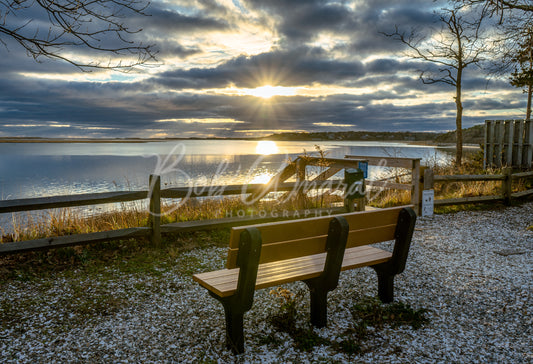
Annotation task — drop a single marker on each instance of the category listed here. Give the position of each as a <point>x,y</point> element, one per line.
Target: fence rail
<point>411,164</point>
<point>506,178</point>
<point>87,199</point>
<point>69,240</point>
<point>154,229</point>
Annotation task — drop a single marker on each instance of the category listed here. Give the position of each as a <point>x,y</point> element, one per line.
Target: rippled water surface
<point>47,169</point>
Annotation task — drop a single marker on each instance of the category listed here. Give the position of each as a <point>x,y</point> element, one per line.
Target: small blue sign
<point>363,165</point>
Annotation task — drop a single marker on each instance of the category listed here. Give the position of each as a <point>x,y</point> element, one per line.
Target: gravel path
<point>471,270</point>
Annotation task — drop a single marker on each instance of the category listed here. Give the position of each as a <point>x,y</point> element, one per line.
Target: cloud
<point>345,75</point>
<point>295,67</point>
<point>301,21</point>
<point>174,22</point>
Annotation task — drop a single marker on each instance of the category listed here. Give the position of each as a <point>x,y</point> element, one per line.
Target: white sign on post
<point>428,197</point>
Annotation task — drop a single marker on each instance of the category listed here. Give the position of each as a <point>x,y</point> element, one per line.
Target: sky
<point>250,68</point>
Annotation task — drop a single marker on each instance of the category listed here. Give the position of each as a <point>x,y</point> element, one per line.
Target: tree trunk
<point>459,120</point>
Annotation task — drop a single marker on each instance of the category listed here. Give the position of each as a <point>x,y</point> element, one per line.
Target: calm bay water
<point>48,169</point>
<point>30,170</point>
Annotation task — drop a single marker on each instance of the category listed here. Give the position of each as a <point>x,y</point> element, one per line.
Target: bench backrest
<point>297,238</point>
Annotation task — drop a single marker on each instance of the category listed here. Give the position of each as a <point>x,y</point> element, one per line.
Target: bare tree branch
<point>501,5</point>
<point>501,8</point>
<point>455,46</point>
<point>93,25</point>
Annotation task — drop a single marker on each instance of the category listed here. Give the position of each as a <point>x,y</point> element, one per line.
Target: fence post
<point>416,194</point>
<point>155,209</point>
<point>507,185</point>
<point>500,133</point>
<point>300,179</point>
<point>427,201</point>
<point>354,181</point>
<point>428,179</point>
<point>486,144</point>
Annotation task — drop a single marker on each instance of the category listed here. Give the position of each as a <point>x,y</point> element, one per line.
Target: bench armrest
<point>403,235</point>
<point>248,263</point>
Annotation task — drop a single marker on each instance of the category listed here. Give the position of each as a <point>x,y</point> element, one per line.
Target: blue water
<point>48,169</point>
<point>30,170</point>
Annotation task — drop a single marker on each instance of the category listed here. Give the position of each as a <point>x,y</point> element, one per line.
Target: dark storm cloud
<point>303,20</point>
<point>491,104</point>
<point>296,67</point>
<point>363,23</point>
<point>370,36</point>
<point>56,101</point>
<point>388,66</point>
<point>163,20</point>
<point>166,48</point>
<point>346,109</point>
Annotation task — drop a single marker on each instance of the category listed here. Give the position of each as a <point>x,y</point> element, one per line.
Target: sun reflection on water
<point>262,178</point>
<point>266,147</point>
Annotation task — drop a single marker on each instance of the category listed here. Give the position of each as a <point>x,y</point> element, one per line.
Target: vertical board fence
<point>508,143</point>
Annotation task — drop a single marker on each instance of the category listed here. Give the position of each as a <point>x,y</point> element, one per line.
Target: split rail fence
<point>331,166</point>
<point>154,229</point>
<point>421,178</point>
<point>507,178</point>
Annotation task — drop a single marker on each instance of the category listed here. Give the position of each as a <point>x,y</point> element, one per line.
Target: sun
<point>266,147</point>
<point>268,91</point>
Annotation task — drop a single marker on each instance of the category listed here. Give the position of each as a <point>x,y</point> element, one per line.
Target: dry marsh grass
<point>69,221</point>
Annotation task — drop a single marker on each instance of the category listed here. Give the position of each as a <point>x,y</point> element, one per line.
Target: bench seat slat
<point>266,279</point>
<point>228,275</point>
<point>269,270</point>
<point>224,282</point>
<point>356,258</point>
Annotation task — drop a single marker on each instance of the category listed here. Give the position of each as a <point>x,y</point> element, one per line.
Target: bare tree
<point>52,28</point>
<point>523,73</point>
<point>453,47</point>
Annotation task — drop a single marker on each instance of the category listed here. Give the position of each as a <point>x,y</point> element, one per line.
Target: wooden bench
<point>312,250</point>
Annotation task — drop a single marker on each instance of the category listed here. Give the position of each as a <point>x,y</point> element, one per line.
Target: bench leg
<point>236,305</point>
<point>329,279</point>
<point>234,330</point>
<point>385,286</point>
<point>319,304</point>
<point>396,265</point>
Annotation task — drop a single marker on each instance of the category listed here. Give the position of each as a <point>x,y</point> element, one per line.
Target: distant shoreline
<point>139,140</point>
<point>473,135</point>
<point>148,140</point>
